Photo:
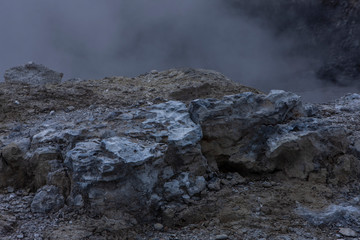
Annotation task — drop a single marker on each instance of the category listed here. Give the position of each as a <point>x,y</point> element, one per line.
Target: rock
<point>214,184</point>
<point>198,186</point>
<point>32,73</point>
<point>74,80</point>
<point>10,189</point>
<point>13,165</point>
<point>47,199</point>
<point>153,162</point>
<point>221,237</point>
<point>158,226</point>
<point>347,232</point>
<point>236,122</point>
<point>172,190</point>
<point>329,215</point>
<point>78,201</point>
<point>184,183</point>
<point>40,164</point>
<point>60,178</point>
<point>69,109</point>
<point>256,133</point>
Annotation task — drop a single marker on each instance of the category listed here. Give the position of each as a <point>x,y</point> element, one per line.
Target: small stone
<point>154,72</point>
<point>16,102</point>
<point>10,189</point>
<point>47,199</point>
<point>186,198</point>
<point>214,185</point>
<point>79,201</point>
<point>237,179</point>
<point>266,184</point>
<point>158,226</point>
<point>200,185</point>
<point>52,112</point>
<point>70,108</point>
<point>347,232</point>
<point>221,237</point>
<point>20,236</point>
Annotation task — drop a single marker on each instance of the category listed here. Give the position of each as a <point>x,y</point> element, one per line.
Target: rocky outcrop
<point>252,133</point>
<point>137,158</point>
<point>235,128</point>
<point>179,162</point>
<point>112,164</point>
<point>32,73</point>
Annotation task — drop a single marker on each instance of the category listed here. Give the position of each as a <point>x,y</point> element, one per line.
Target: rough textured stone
<point>236,128</point>
<point>32,73</point>
<point>347,232</point>
<point>132,162</point>
<point>13,167</point>
<point>252,133</point>
<point>47,199</point>
<point>329,215</point>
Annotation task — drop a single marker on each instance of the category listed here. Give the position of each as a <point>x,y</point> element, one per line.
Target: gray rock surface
<point>236,128</point>
<point>339,214</point>
<point>252,133</point>
<point>121,168</point>
<point>47,199</point>
<point>32,73</point>
<point>12,163</point>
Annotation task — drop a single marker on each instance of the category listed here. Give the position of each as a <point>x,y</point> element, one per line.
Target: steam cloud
<point>94,39</point>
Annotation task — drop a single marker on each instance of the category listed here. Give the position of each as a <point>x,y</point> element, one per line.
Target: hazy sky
<point>94,39</point>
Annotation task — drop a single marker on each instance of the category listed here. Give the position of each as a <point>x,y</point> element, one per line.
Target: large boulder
<point>122,160</point>
<point>13,165</point>
<point>129,171</point>
<point>252,133</point>
<point>236,128</point>
<point>32,73</point>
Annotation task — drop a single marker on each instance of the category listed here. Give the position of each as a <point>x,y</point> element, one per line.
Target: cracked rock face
<point>236,127</point>
<point>255,133</point>
<point>47,199</point>
<point>135,158</point>
<point>114,162</point>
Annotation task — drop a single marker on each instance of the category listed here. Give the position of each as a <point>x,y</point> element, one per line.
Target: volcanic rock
<point>133,152</point>
<point>47,199</point>
<point>32,73</point>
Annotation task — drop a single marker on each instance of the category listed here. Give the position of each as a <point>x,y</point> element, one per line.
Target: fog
<point>92,39</point>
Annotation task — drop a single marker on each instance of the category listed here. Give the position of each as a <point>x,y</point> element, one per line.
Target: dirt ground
<point>259,207</point>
